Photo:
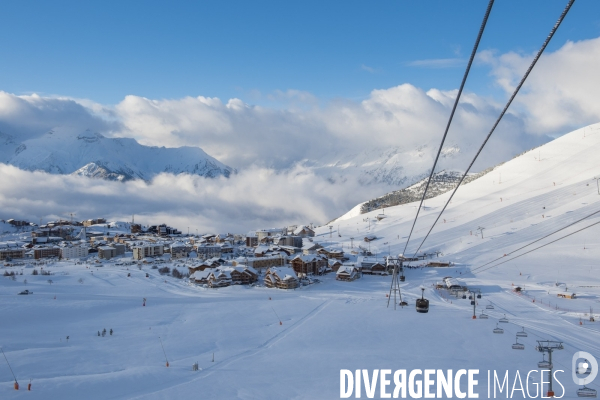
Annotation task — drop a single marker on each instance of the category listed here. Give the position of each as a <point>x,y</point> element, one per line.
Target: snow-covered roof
<point>284,273</point>
<point>346,269</point>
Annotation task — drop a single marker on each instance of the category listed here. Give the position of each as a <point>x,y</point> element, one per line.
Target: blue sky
<point>105,50</point>
<point>289,94</point>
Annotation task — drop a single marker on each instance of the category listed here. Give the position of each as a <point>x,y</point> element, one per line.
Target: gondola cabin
<point>422,304</point>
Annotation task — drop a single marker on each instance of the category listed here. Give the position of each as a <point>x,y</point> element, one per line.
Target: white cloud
<point>257,197</point>
<point>240,134</point>
<point>562,91</point>
<point>31,115</point>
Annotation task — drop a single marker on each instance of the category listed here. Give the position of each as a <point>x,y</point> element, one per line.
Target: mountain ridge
<point>94,155</point>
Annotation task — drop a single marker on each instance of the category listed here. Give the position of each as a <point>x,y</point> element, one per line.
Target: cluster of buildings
<point>283,257</point>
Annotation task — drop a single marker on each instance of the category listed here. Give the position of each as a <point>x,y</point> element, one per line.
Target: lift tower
<point>548,346</point>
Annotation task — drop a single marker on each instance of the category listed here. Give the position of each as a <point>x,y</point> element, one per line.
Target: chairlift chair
<point>470,297</point>
<point>504,320</point>
<point>489,307</point>
<point>422,304</point>
<point>522,333</point>
<point>464,296</point>
<point>544,364</point>
<point>479,295</point>
<point>518,346</point>
<point>586,392</point>
<point>498,330</point>
<point>483,316</point>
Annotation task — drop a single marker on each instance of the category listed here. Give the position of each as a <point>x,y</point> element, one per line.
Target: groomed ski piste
<point>278,344</point>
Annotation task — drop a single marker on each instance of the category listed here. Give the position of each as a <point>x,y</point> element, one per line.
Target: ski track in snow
<point>206,372</point>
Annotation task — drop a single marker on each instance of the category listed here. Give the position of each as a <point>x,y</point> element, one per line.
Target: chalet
<point>308,264</point>
<point>375,269</point>
<point>289,250</point>
<point>347,273</point>
<point>334,264</point>
<point>281,278</point>
<point>202,267</point>
<point>225,238</point>
<point>310,248</point>
<point>262,250</point>
<point>219,278</point>
<point>331,253</point>
<point>370,238</point>
<point>200,276</point>
<point>259,263</point>
<point>242,275</point>
<point>304,231</point>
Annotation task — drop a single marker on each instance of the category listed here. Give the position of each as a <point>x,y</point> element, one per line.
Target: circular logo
<point>588,366</point>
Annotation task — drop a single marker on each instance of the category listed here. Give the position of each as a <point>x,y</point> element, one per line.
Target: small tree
<point>50,281</point>
<point>176,274</point>
<point>35,272</point>
<point>25,281</point>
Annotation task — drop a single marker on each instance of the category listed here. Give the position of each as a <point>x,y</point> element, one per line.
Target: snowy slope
<point>557,176</point>
<point>275,344</point>
<point>91,154</point>
<point>393,166</point>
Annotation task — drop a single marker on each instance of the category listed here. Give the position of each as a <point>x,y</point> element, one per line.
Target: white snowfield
<point>333,325</point>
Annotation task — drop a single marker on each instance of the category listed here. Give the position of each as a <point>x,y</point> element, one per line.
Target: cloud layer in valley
<point>254,198</point>
<point>269,145</point>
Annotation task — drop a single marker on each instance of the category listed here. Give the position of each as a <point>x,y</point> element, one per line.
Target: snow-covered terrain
<point>62,151</point>
<point>392,166</point>
<point>332,325</point>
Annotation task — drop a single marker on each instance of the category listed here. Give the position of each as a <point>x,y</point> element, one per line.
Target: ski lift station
<point>453,284</point>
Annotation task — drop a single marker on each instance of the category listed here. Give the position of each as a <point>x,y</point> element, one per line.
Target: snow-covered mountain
<point>521,200</point>
<point>397,167</point>
<point>94,155</point>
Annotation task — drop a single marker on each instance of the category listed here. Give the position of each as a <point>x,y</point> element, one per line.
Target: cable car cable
<point>462,85</point>
<point>512,97</point>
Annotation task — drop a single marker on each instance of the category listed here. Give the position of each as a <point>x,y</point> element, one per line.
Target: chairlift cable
<point>537,240</point>
<point>544,245</point>
<point>512,97</point>
<point>462,85</point>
